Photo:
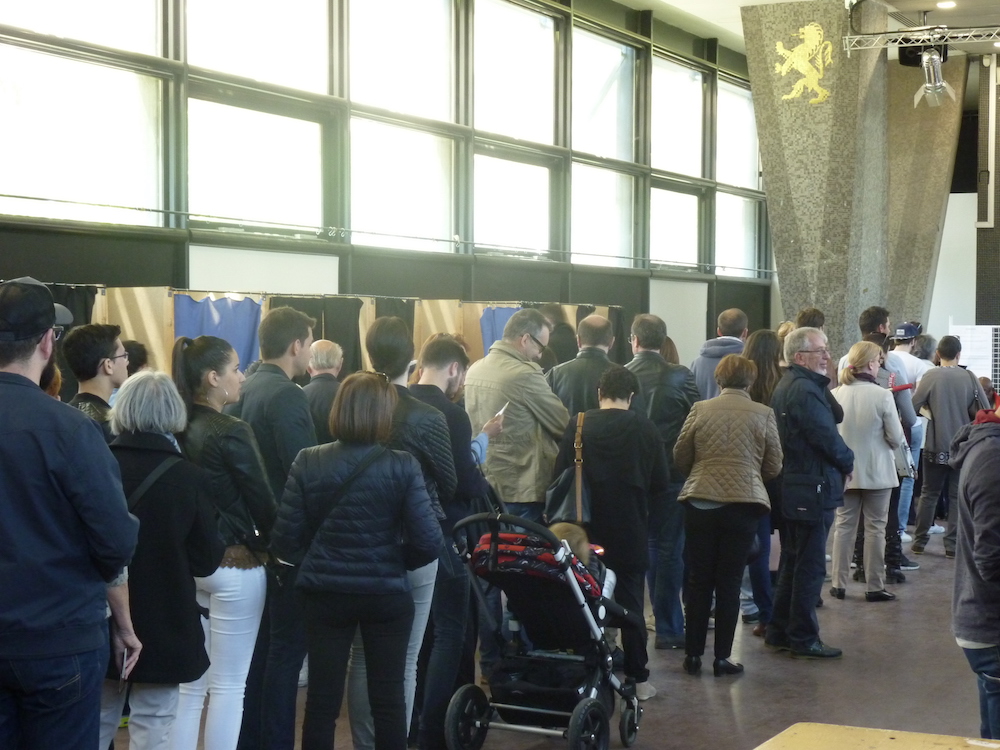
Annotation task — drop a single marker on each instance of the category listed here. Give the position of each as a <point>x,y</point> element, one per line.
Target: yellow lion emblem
<point>801,58</point>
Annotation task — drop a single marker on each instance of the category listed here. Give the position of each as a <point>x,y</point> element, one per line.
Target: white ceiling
<point>721,18</point>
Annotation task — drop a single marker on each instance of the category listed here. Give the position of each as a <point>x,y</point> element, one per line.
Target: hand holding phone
<point>503,409</point>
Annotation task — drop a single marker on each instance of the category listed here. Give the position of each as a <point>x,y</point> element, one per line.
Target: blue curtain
<point>236,322</point>
<point>492,323</point>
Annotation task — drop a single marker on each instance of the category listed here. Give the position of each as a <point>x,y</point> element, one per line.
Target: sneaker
<point>936,529</point>
<point>818,650</point>
<point>751,618</point>
<point>651,623</point>
<point>917,549</point>
<point>908,564</point>
<point>950,554</point>
<point>829,559</point>
<point>905,538</point>
<point>644,691</point>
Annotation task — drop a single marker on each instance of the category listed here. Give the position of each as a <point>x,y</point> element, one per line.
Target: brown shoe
<point>759,629</point>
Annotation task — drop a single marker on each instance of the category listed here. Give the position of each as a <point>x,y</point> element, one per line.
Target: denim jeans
<point>800,581</point>
<point>53,702</point>
<point>906,483</point>
<point>530,511</point>
<point>331,621</point>
<point>760,571</point>
<point>448,615</point>
<point>985,662</point>
<point>285,654</point>
<point>665,575</point>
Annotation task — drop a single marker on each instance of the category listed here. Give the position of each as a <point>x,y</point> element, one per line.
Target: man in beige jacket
<point>519,460</point>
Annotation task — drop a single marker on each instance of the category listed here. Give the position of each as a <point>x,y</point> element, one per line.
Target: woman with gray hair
<point>178,539</point>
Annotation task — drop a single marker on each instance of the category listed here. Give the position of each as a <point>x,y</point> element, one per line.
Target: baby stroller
<point>564,684</point>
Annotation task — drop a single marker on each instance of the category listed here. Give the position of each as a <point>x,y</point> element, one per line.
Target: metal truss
<point>922,37</point>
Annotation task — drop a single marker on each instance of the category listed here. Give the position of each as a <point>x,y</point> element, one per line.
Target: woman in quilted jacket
<point>728,448</point>
<point>354,517</point>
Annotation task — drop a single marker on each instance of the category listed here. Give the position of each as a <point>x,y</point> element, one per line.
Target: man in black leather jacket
<point>575,382</point>
<point>669,392</point>
<point>278,412</point>
<point>812,485</point>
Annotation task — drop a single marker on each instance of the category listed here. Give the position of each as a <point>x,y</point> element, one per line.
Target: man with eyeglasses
<point>66,531</point>
<point>97,358</point>
<point>816,463</point>
<point>519,460</point>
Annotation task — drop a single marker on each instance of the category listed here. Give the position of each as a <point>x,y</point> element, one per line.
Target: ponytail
<point>193,358</point>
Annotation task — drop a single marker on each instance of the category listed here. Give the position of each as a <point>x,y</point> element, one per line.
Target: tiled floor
<point>901,670</point>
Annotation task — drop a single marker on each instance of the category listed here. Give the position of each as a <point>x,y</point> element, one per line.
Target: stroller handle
<point>495,520</point>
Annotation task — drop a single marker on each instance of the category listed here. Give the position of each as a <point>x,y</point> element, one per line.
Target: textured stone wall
<point>824,157</point>
<point>922,145</point>
<point>987,238</point>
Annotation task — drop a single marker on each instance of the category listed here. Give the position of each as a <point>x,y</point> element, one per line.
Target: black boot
<point>894,575</point>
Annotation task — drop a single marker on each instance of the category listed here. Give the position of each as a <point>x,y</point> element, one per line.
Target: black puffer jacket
<point>422,431</point>
<point>226,449</point>
<point>355,546</point>
<point>669,391</point>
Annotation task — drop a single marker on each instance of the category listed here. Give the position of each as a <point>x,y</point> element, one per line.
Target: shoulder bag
<point>568,497</point>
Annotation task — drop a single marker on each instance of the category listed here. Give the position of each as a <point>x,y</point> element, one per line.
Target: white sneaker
<point>905,538</point>
<point>304,673</point>
<point>829,559</point>
<point>935,529</point>
<point>644,691</point>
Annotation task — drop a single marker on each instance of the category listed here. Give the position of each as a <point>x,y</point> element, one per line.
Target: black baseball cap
<point>27,310</point>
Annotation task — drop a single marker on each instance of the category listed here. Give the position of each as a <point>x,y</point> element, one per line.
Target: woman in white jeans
<point>207,374</point>
<point>871,428</point>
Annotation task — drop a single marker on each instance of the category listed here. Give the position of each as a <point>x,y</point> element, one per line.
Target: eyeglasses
<point>539,344</point>
<point>119,356</point>
<point>57,332</point>
<point>814,351</point>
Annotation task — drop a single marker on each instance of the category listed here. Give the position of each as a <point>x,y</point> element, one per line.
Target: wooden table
<point>810,736</point>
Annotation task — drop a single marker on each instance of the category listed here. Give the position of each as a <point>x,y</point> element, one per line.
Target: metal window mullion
<point>463,180</point>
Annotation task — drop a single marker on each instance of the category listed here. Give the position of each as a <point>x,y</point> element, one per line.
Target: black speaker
<point>910,56</point>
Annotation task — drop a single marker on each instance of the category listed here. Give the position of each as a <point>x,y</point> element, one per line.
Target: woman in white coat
<point>872,430</point>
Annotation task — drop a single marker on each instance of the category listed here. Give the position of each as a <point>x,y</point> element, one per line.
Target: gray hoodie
<point>975,451</point>
<point>704,366</point>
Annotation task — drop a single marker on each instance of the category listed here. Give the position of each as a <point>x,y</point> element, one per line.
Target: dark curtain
<point>582,311</point>
<point>311,306</point>
<point>79,300</point>
<point>392,306</point>
<point>341,316</point>
<point>621,352</point>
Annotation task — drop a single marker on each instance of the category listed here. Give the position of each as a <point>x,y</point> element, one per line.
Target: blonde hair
<point>858,358</point>
<point>576,536</point>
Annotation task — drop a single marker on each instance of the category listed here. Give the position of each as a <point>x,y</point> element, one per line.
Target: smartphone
<point>503,409</point>
<point>121,677</point>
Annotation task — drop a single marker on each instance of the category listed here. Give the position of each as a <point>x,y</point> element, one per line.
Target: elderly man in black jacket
<point>817,460</point>
<point>575,381</point>
<point>669,392</point>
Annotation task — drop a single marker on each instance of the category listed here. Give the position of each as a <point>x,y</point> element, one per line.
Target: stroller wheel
<point>589,728</point>
<point>467,719</point>
<point>628,725</point>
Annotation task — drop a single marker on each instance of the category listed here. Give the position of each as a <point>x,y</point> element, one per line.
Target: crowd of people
<point>186,548</point>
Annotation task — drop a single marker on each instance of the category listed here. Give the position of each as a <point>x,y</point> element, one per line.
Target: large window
<point>678,98</point>
<point>131,25</point>
<point>736,235</point>
<point>512,205</point>
<point>602,216</point>
<point>284,43</point>
<point>530,128</point>
<point>249,167</point>
<point>401,187</point>
<point>673,228</point>
<point>603,96</point>
<point>515,75</point>
<point>736,146</point>
<point>401,56</point>
<point>85,137</point>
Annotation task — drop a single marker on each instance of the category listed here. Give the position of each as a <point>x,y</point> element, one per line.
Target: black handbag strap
<point>149,481</point>
<point>362,465</point>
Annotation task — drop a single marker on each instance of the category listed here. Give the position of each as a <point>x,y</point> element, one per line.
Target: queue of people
<point>236,524</point>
